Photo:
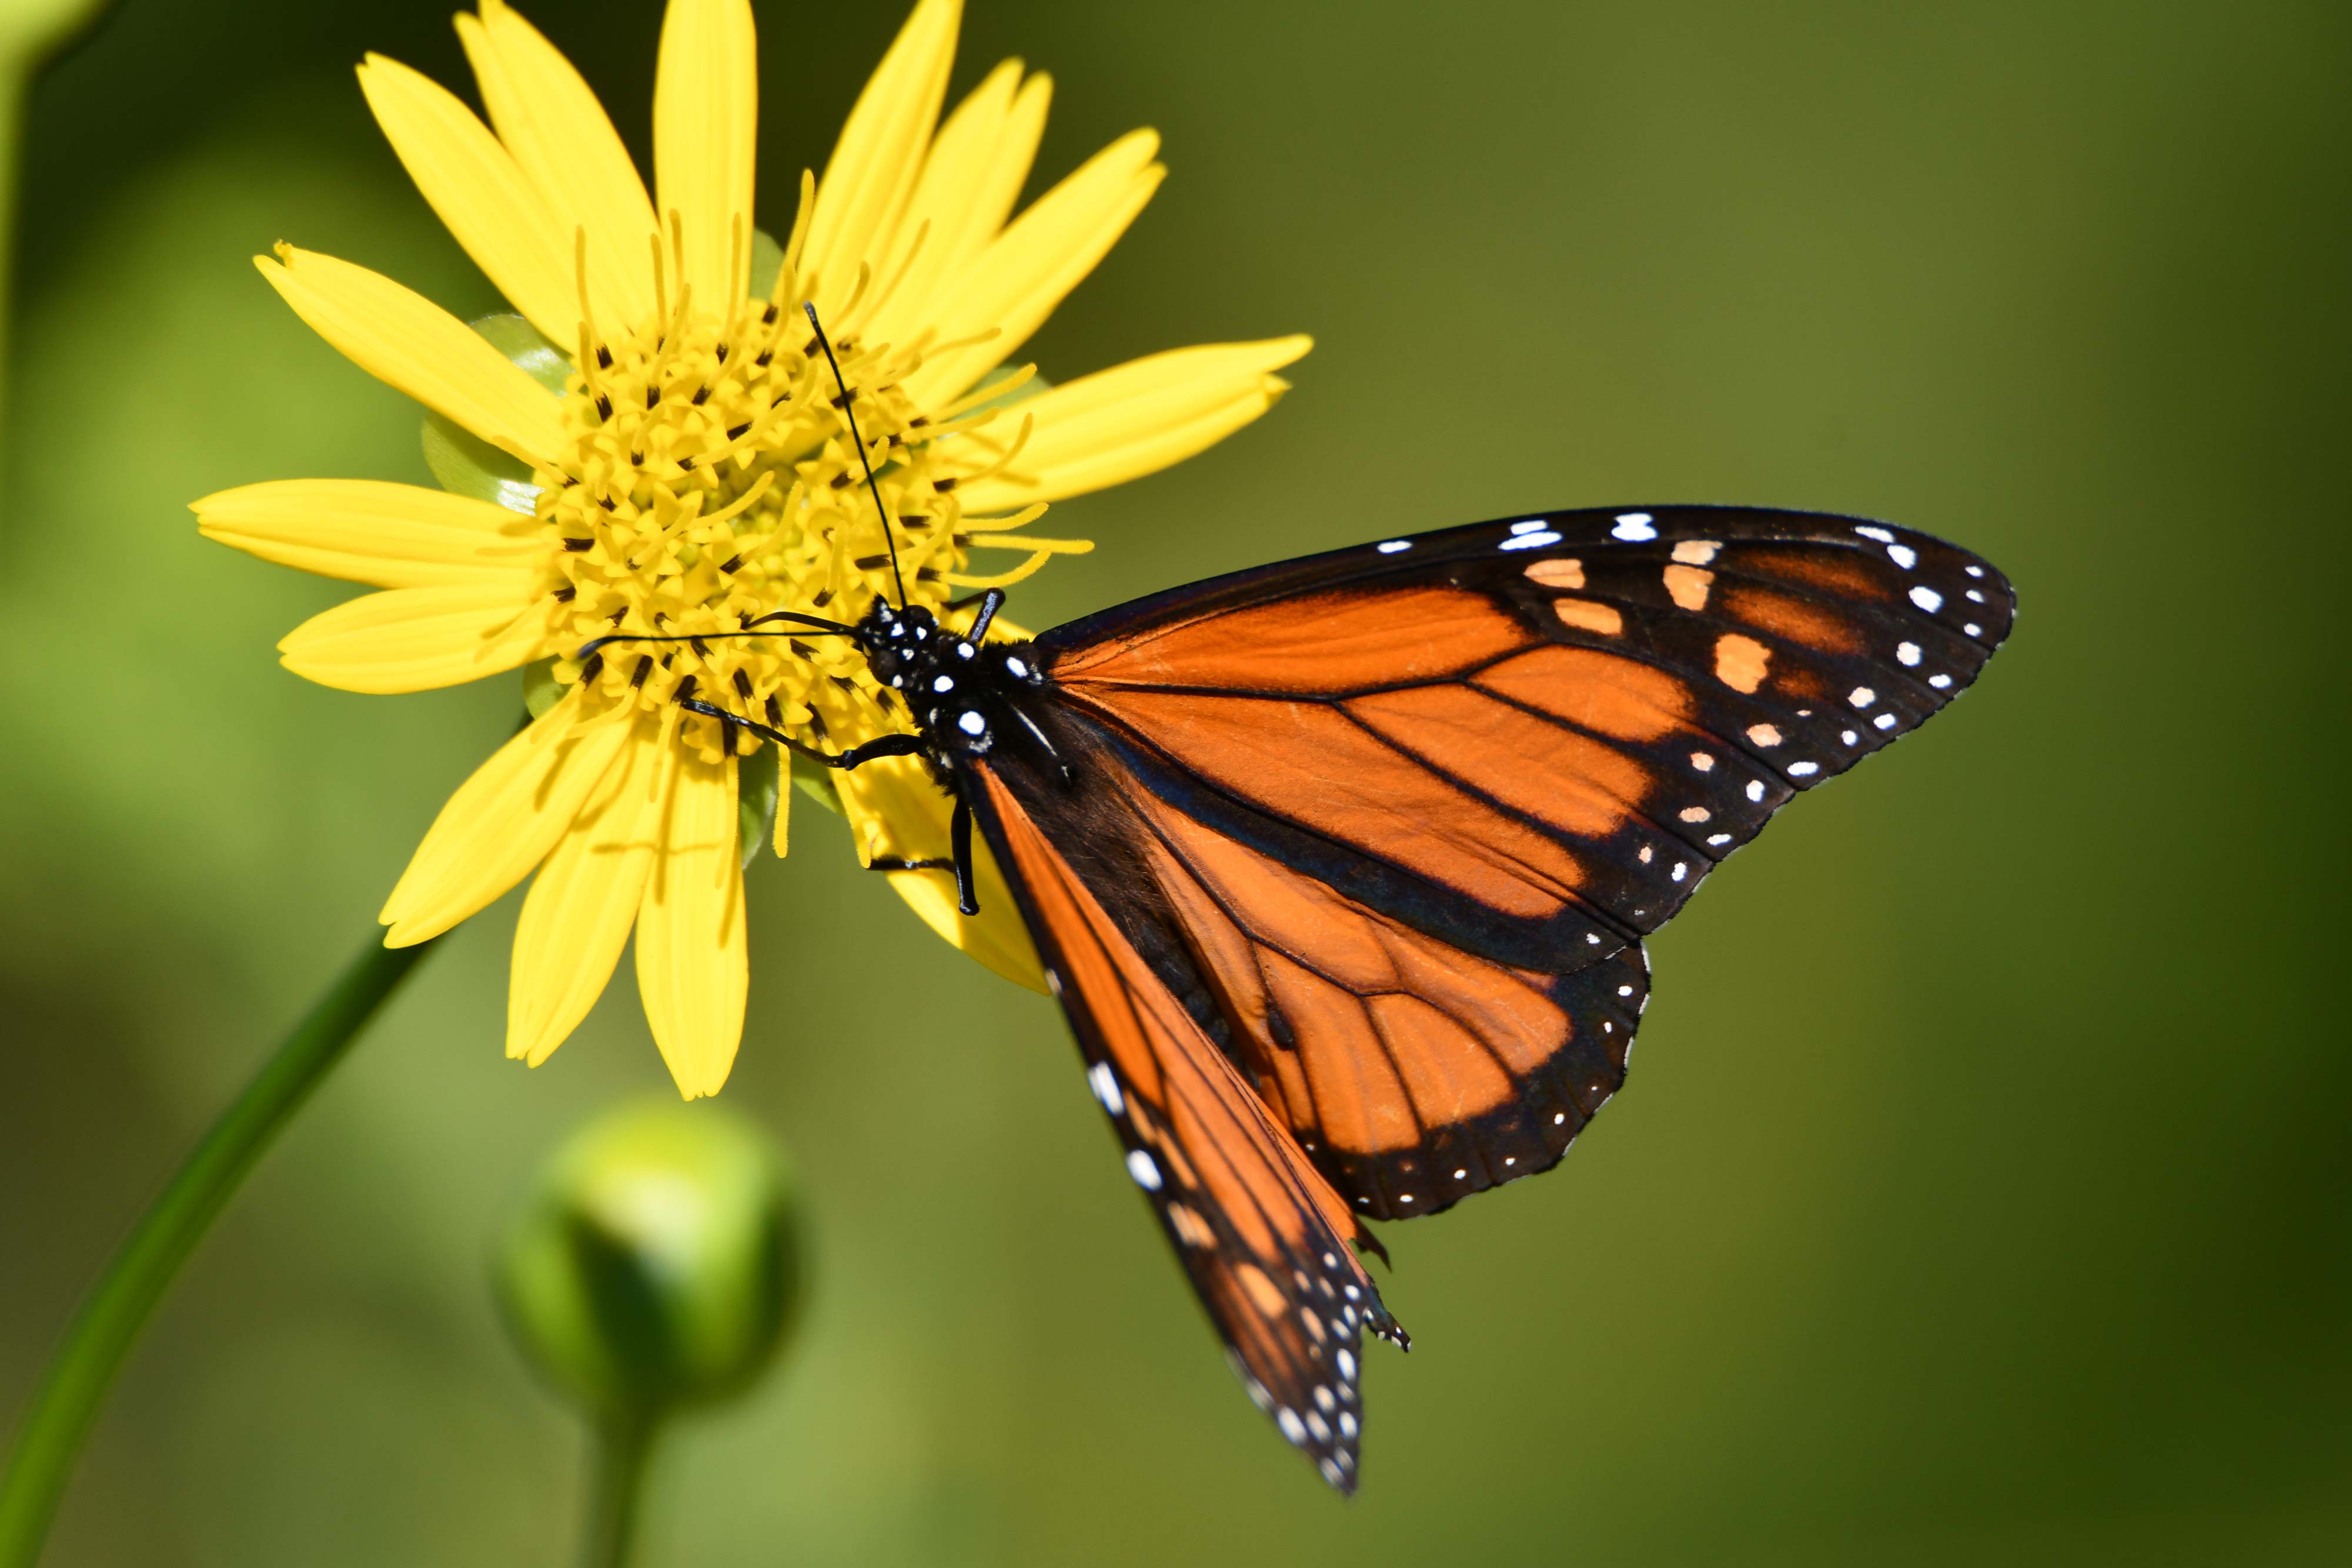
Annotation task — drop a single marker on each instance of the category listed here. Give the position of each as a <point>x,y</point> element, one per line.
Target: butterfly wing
<point>1414,804</point>
<point>1264,1239</point>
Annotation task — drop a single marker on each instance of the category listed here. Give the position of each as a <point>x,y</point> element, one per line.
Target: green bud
<point>656,1264</point>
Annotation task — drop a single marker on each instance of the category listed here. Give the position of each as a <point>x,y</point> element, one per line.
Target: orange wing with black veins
<point>1265,1239</point>
<point>1415,805</point>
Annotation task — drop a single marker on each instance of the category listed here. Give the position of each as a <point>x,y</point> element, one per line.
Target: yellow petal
<point>417,639</point>
<point>874,166</point>
<point>557,130</point>
<point>1136,419</point>
<point>389,536</point>
<point>971,179</point>
<point>404,339</point>
<point>895,810</point>
<point>692,968</point>
<point>480,192</point>
<point>501,822</point>
<point>706,119</point>
<point>1044,253</point>
<point>585,899</point>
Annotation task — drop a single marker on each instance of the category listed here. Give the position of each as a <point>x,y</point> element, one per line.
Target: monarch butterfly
<point>1341,867</point>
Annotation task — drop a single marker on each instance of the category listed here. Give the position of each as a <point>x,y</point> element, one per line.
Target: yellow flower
<point>696,472</point>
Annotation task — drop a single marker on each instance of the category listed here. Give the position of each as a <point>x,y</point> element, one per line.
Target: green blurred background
<point>1984,1192</point>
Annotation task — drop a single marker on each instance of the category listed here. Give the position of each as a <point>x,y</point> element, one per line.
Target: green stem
<point>84,1364</point>
<point>625,1447</point>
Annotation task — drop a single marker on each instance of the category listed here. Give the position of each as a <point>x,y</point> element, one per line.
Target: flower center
<point>710,478</point>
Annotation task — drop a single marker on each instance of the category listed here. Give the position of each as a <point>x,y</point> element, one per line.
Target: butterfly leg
<point>885,746</point>
<point>959,844</point>
<point>960,863</point>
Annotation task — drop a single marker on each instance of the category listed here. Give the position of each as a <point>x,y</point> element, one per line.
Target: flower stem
<point>625,1447</point>
<point>84,1366</point>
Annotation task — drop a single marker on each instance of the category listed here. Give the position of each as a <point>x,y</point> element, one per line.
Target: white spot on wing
<point>1292,1427</point>
<point>1634,527</point>
<point>1105,1084</point>
<point>1885,721</point>
<point>1861,696</point>
<point>1529,541</point>
<point>1533,525</point>
<point>1146,1172</point>
<point>1926,599</point>
<point>1803,770</point>
<point>1903,556</point>
<point>1392,546</point>
<point>1881,535</point>
<point>1907,654</point>
<point>1755,790</point>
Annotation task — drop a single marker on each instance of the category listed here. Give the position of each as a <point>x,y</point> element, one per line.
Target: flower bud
<point>656,1263</point>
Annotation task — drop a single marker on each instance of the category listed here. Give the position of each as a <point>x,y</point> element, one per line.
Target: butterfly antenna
<point>880,512</point>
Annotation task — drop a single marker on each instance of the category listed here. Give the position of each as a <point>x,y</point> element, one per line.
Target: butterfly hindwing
<point>1263,1237</point>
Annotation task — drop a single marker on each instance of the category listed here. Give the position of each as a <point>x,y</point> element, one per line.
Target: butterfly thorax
<point>963,694</point>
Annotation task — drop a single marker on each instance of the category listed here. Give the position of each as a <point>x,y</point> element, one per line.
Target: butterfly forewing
<point>1482,762</point>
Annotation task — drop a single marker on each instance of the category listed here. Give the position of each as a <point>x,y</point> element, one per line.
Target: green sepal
<point>757,788</point>
<point>767,260</point>
<point>815,780</point>
<point>540,689</point>
<point>466,464</point>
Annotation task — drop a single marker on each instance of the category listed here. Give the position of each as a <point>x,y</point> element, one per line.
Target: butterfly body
<point>1341,867</point>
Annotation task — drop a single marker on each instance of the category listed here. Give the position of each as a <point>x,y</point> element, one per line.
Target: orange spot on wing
<point>1262,1293</point>
<point>1619,697</point>
<point>1557,573</point>
<point>1586,616</point>
<point>1696,552</point>
<point>1688,586</point>
<point>1739,662</point>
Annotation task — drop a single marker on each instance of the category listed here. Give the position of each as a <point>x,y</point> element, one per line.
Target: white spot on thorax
<point>943,683</point>
<point>971,723</point>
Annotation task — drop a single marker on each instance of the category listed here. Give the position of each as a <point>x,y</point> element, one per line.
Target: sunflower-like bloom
<point>695,471</point>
